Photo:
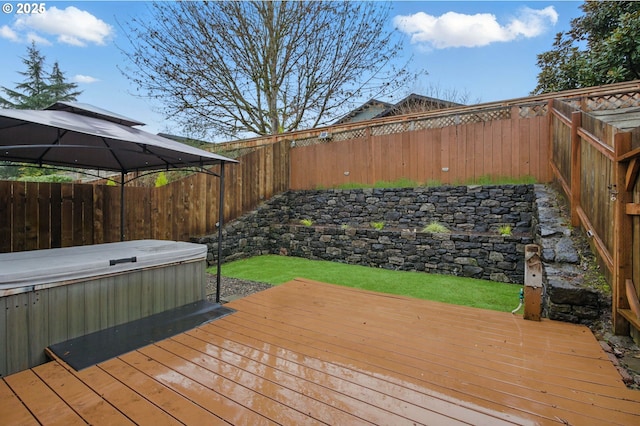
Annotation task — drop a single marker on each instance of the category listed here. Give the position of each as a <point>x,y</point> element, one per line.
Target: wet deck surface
<point>311,353</point>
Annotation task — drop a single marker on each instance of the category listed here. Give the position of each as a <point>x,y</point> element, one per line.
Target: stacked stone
<point>341,229</point>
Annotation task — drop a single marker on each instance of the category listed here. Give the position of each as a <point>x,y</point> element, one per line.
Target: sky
<point>484,50</point>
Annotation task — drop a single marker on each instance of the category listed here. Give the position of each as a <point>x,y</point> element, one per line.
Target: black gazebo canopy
<point>83,136</point>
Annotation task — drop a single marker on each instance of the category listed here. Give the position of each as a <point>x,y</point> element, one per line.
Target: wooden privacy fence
<point>48,215</point>
<point>596,159</point>
<point>448,148</point>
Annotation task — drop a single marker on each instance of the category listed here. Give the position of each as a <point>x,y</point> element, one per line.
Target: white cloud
<point>8,33</point>
<point>71,26</point>
<point>459,30</point>
<point>79,78</point>
<point>41,41</point>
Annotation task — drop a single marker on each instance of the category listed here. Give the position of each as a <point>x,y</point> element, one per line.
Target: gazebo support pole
<point>220,223</point>
<point>122,206</point>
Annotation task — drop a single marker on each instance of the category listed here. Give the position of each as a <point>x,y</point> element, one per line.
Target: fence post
<point>622,229</point>
<point>532,282</point>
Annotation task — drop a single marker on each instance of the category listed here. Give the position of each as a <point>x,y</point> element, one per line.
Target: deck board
<point>89,405</point>
<point>313,353</point>
<point>13,412</point>
<point>131,404</point>
<point>45,405</point>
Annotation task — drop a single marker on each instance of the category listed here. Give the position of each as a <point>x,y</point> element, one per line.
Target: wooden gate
<point>627,190</point>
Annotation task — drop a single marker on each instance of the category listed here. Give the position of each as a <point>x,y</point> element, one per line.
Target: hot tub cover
<point>38,269</point>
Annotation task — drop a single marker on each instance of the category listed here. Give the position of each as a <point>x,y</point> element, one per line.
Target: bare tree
<point>262,67</point>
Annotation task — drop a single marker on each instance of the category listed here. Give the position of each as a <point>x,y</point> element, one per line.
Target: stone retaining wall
<point>341,229</point>
<point>466,209</point>
<point>574,290</point>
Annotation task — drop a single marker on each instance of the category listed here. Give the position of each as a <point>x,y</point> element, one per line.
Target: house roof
<point>374,108</point>
<point>415,103</point>
<point>366,111</point>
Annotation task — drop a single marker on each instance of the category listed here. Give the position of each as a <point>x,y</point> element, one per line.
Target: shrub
<point>505,230</point>
<point>377,225</point>
<point>161,180</point>
<point>436,228</point>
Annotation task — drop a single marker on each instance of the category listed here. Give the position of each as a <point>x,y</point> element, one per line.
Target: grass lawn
<point>276,270</point>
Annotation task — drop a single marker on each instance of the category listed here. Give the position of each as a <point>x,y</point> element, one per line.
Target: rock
<point>566,252</point>
<point>562,292</point>
<point>472,271</point>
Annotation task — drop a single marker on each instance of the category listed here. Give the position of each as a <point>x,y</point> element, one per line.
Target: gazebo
<point>83,136</point>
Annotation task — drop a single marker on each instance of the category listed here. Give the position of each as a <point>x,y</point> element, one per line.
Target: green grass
<point>408,183</point>
<point>276,270</point>
<point>501,180</point>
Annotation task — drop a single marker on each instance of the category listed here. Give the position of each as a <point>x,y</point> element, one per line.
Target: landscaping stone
<point>569,294</point>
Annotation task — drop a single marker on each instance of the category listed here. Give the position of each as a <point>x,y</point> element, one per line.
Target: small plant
<point>161,180</point>
<point>505,230</point>
<point>345,226</point>
<point>306,222</point>
<point>436,228</point>
<point>377,225</point>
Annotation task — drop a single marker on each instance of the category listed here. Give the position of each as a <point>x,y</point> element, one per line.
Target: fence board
<point>77,215</point>
<point>514,142</point>
<point>6,238</point>
<point>444,157</point>
<point>44,216</point>
<point>18,234</point>
<point>465,154</point>
<point>56,215</point>
<point>67,215</point>
<point>502,148</point>
<point>475,131</point>
<point>31,216</point>
<point>535,148</point>
<point>84,197</point>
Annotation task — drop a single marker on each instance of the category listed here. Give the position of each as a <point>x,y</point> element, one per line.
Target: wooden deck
<point>312,353</point>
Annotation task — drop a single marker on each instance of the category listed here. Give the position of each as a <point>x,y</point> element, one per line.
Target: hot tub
<point>49,296</point>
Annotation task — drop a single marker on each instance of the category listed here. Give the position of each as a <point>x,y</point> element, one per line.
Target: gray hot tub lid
<point>43,268</point>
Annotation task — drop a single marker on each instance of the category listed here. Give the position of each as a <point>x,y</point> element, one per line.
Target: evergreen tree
<point>602,47</point>
<point>39,88</point>
<point>59,89</point>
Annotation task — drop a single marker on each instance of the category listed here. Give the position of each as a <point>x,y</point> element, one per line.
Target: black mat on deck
<point>85,351</point>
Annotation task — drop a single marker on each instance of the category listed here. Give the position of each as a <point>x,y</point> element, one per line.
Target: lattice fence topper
<point>534,110</point>
<point>614,101</point>
<point>326,137</point>
<point>237,153</point>
<point>456,119</point>
<point>607,102</point>
<point>443,121</point>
